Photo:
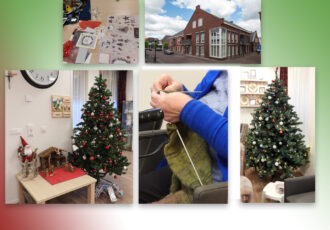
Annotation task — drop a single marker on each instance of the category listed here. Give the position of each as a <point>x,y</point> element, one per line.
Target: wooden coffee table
<point>41,191</point>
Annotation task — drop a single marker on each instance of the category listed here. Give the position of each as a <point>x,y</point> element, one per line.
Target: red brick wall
<point>209,21</point>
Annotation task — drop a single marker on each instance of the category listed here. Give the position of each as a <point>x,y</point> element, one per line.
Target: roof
<point>235,26</point>
<point>253,35</point>
<point>46,152</point>
<point>180,33</point>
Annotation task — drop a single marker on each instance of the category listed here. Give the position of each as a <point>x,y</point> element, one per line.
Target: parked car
<point>158,48</point>
<point>169,52</point>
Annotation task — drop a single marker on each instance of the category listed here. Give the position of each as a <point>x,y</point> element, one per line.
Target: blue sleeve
<point>211,126</point>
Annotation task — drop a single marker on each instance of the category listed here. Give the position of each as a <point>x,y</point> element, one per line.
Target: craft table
<point>105,9</point>
<point>270,192</point>
<point>41,191</point>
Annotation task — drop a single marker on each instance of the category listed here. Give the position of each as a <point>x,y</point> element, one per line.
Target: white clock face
<point>41,78</point>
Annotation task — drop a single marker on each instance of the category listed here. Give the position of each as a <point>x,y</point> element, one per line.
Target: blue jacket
<point>211,126</point>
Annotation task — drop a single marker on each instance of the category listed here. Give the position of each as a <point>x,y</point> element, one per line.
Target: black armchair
<point>151,152</point>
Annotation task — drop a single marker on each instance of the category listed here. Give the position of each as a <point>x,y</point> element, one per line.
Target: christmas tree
<point>274,143</point>
<point>99,138</point>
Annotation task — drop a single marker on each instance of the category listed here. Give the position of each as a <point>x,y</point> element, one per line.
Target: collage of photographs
<point>76,142</point>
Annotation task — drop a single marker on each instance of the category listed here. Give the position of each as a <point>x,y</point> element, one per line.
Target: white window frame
<point>218,42</point>
<point>202,40</point>
<point>197,51</point>
<point>232,37</point>
<point>194,24</point>
<point>197,37</point>
<point>200,22</point>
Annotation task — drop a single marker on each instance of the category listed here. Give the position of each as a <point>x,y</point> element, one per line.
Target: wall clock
<point>41,79</point>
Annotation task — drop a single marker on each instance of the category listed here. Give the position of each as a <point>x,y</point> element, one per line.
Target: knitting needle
<point>191,162</point>
<point>172,91</point>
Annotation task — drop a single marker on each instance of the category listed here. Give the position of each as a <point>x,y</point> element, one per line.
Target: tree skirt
<point>61,175</point>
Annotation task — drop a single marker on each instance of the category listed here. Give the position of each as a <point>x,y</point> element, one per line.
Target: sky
<point>167,17</point>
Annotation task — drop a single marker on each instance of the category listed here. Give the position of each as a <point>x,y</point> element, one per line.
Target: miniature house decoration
<point>51,158</point>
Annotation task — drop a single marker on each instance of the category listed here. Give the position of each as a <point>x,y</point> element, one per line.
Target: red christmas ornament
<point>284,108</point>
<point>86,132</point>
<point>281,131</point>
<point>115,163</point>
<point>105,84</point>
<point>123,140</point>
<point>104,98</point>
<point>120,153</point>
<point>100,126</point>
<point>111,113</point>
<point>94,170</point>
<point>94,95</point>
<point>115,177</point>
<point>103,139</point>
<point>110,162</point>
<point>107,147</point>
<point>273,121</point>
<point>81,134</point>
<point>105,169</point>
<point>101,112</point>
<point>91,158</point>
<point>118,130</point>
<point>76,153</point>
<point>83,144</point>
<point>89,98</point>
<point>259,111</point>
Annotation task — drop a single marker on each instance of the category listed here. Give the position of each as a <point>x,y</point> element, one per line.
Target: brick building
<point>209,36</point>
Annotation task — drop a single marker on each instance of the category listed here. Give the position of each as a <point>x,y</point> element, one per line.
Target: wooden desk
<point>41,190</point>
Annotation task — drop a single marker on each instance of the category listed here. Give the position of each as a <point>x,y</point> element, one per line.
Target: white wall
<point>129,86</point>
<point>38,112</point>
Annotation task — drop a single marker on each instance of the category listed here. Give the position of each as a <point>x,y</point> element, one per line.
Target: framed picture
<point>243,89</point>
<point>245,75</point>
<point>61,106</point>
<point>261,89</point>
<point>253,74</point>
<point>252,102</point>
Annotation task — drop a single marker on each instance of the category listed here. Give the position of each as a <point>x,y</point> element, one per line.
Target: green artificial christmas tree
<point>99,138</point>
<point>274,143</point>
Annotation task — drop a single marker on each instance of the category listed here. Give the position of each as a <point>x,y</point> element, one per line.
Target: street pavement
<point>252,58</point>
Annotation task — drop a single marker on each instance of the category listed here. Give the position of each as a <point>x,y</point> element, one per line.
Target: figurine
<point>28,159</point>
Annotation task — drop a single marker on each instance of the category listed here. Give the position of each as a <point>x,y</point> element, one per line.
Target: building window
<point>202,51</point>
<point>232,50</point>
<point>236,38</point>
<point>200,22</point>
<point>228,36</point>
<point>197,50</point>
<point>232,37</point>
<point>228,51</point>
<point>197,37</point>
<point>218,42</point>
<point>236,50</point>
<point>194,24</point>
<point>202,37</point>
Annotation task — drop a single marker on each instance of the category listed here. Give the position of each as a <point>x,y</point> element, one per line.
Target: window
<point>197,50</point>
<point>228,36</point>
<point>194,24</point>
<point>236,38</point>
<point>232,37</point>
<point>200,22</point>
<point>202,51</point>
<point>228,51</point>
<point>218,42</point>
<point>197,37</point>
<point>202,37</point>
<point>232,50</point>
<point>236,50</point>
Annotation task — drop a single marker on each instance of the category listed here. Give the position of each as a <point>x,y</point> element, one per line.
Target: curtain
<point>112,81</point>
<point>121,90</point>
<point>301,88</point>
<point>80,94</point>
<point>284,76</point>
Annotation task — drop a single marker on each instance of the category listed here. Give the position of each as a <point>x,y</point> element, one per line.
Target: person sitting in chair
<point>205,112</point>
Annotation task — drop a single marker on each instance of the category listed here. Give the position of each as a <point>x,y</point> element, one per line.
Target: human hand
<point>165,82</point>
<point>170,103</point>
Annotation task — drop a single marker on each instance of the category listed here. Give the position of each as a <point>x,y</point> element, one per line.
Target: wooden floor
<point>125,182</point>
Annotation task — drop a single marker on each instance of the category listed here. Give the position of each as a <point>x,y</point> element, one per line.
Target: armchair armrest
<point>212,193</point>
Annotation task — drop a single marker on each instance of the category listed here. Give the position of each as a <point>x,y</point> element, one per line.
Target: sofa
<point>299,189</point>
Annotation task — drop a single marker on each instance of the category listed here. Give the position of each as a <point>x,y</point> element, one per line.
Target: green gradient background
<point>294,33</point>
